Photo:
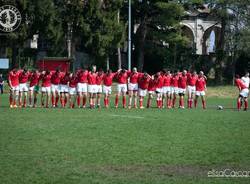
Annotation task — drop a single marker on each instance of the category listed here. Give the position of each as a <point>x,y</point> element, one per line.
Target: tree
<point>158,23</point>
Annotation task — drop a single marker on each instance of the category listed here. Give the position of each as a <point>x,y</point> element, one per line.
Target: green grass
<point>64,146</point>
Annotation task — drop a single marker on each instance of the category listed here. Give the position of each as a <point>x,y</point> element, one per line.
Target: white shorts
<point>159,90</point>
<point>166,89</point>
<point>23,87</point>
<point>132,87</point>
<point>16,88</point>
<point>181,91</point>
<point>151,92</point>
<point>200,93</point>
<point>55,88</point>
<point>64,88</point>
<point>46,89</point>
<point>31,88</point>
<point>92,88</point>
<point>72,91</point>
<point>244,93</point>
<point>175,90</point>
<point>191,89</point>
<point>82,88</point>
<point>98,88</point>
<point>122,88</point>
<point>143,92</point>
<point>107,90</point>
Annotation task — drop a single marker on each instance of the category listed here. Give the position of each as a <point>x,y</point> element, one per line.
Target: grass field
<point>64,146</point>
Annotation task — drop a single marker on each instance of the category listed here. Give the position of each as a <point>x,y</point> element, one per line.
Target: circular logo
<point>10,18</point>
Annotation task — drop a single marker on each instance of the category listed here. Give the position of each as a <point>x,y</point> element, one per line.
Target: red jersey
<point>240,84</point>
<point>34,79</point>
<point>46,80</point>
<point>191,79</point>
<point>122,78</point>
<point>108,78</point>
<point>73,81</point>
<point>200,84</point>
<point>14,78</point>
<point>56,77</point>
<point>152,85</point>
<point>65,79</point>
<point>159,81</point>
<point>174,81</point>
<point>24,77</point>
<point>99,79</point>
<point>133,77</point>
<point>83,76</point>
<point>143,82</point>
<point>182,82</point>
<point>92,78</point>
<point>167,80</point>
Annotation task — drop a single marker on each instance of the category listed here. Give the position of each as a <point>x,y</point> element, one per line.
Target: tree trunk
<point>221,55</point>
<point>141,36</point>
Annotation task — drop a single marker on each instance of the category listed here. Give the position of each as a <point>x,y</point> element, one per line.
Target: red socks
<point>238,104</point>
<point>204,104</point>
<point>246,105</point>
<point>116,100</point>
<point>124,101</point>
<point>78,101</point>
<point>141,102</point>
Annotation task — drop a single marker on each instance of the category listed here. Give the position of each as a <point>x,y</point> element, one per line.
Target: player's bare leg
<point>99,100</point>
<point>203,102</point>
<point>84,99</point>
<point>130,94</point>
<point>25,97</point>
<point>79,99</point>
<point>168,100</point>
<point>62,97</point>
<point>124,99</point>
<point>31,94</point>
<point>20,97</point>
<point>164,100</point>
<point>174,100</point>
<point>35,99</point>
<point>11,99</point>
<point>245,104</point>
<point>135,93</point>
<point>47,99</point>
<point>196,101</point>
<point>66,96</point>
<point>150,97</point>
<point>141,102</point>
<point>117,99</point>
<point>181,102</point>
<point>42,99</point>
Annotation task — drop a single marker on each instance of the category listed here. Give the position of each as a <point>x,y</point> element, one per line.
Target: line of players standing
<point>76,88</point>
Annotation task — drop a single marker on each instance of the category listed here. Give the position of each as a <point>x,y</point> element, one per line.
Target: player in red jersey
<point>33,87</point>
<point>92,86</point>
<point>182,84</point>
<point>133,87</point>
<point>200,89</point>
<point>23,87</point>
<point>159,79</point>
<point>174,88</point>
<point>46,87</point>
<point>143,83</point>
<point>244,92</point>
<point>107,86</point>
<point>55,88</point>
<point>99,80</point>
<point>64,89</point>
<point>82,88</point>
<point>191,81</point>
<point>167,89</point>
<point>151,90</point>
<point>73,80</point>
<point>122,79</point>
<point>13,81</point>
